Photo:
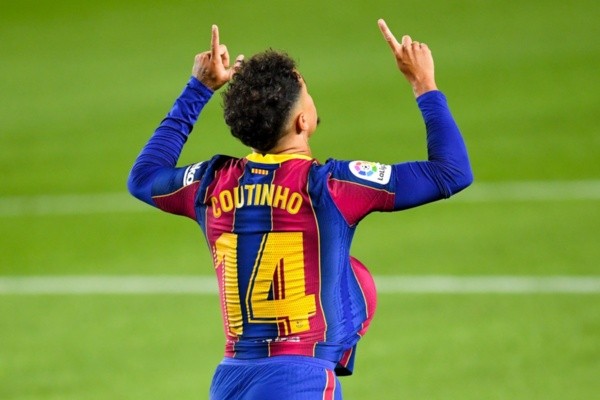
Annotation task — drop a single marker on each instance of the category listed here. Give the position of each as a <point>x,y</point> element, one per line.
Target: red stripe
<point>367,287</point>
<point>329,391</point>
<point>226,178</point>
<point>180,202</point>
<point>293,175</point>
<point>346,357</point>
<point>355,200</point>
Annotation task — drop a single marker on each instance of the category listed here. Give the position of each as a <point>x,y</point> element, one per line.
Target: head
<point>266,99</point>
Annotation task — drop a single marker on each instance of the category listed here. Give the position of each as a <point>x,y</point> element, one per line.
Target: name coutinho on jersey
<point>256,195</point>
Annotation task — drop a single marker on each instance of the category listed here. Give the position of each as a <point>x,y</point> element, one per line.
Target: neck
<point>292,143</point>
<point>292,150</point>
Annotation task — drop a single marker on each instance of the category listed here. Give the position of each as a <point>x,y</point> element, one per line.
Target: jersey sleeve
<point>361,187</point>
<point>154,177</point>
<point>175,190</point>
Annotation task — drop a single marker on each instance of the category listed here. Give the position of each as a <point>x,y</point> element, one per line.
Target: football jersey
<point>280,226</point>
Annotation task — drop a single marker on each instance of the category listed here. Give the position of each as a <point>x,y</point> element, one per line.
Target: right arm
<point>447,169</point>
<point>414,60</point>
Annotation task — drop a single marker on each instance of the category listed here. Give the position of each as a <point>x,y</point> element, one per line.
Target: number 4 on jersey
<point>277,288</point>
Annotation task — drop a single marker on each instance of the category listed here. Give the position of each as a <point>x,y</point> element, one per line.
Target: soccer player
<point>279,223</point>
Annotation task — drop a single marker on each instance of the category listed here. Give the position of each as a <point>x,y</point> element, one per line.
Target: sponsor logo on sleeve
<point>372,172</point>
<point>188,176</point>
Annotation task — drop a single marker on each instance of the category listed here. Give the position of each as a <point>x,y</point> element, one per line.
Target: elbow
<point>134,186</point>
<point>468,178</point>
<point>140,182</point>
<point>454,177</point>
<point>463,180</point>
<point>139,185</point>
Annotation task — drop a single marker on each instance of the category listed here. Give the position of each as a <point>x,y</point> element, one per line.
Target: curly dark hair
<point>259,98</point>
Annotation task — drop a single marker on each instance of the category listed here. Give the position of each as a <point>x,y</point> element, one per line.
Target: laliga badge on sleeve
<point>372,172</point>
<point>189,175</point>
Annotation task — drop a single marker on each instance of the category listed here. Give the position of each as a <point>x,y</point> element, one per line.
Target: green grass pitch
<point>85,83</point>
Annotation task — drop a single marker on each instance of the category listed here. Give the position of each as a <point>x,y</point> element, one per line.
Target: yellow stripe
<point>275,158</point>
<point>260,171</point>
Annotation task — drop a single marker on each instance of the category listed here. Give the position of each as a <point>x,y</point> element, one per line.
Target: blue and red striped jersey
<point>279,228</point>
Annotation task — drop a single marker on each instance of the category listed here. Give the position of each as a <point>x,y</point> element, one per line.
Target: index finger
<point>214,48</point>
<point>388,35</point>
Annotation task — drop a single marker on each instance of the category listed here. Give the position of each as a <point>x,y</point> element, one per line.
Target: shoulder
<point>362,172</point>
<point>204,171</point>
<point>221,161</point>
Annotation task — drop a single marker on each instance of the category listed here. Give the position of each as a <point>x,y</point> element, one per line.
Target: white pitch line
<point>531,191</point>
<point>108,285</point>
<point>78,204</point>
<point>393,284</point>
<point>70,204</point>
<point>488,284</point>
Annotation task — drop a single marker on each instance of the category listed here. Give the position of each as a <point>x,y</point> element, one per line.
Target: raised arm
<point>212,67</point>
<point>158,158</point>
<point>414,60</point>
<point>447,170</point>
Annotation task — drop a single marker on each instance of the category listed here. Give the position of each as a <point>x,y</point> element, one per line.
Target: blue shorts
<point>275,378</point>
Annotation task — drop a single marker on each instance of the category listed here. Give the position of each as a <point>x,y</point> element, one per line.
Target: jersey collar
<point>275,158</point>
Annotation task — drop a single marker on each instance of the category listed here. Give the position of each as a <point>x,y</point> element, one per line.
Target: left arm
<point>159,157</point>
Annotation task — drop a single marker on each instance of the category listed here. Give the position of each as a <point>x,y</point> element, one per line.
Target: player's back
<point>281,257</point>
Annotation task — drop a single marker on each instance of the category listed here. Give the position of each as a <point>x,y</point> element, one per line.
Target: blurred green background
<point>84,84</point>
